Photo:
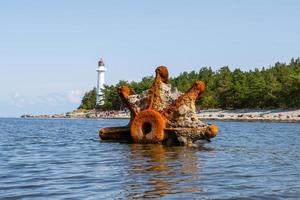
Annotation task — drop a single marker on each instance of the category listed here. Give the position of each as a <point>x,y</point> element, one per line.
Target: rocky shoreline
<point>276,115</point>
<point>84,114</point>
<point>272,115</point>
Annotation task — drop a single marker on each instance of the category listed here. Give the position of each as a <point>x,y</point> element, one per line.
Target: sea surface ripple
<point>64,159</point>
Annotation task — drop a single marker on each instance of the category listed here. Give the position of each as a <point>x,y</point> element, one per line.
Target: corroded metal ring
<point>148,126</point>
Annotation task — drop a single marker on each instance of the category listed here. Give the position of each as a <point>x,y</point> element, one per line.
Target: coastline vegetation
<point>277,86</point>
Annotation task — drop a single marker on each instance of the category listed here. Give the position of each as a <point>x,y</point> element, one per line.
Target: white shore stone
<point>285,115</point>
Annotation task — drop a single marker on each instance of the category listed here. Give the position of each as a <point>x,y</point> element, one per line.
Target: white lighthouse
<point>100,83</point>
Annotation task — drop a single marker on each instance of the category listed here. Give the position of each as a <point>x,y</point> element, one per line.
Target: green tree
<point>224,87</point>
<point>275,87</point>
<point>88,101</point>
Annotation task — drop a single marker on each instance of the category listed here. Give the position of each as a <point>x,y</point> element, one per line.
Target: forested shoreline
<point>277,86</point>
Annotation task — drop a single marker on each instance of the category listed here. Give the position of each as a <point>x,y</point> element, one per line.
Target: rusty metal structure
<point>161,114</point>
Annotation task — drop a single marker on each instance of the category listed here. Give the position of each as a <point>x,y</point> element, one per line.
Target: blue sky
<point>49,49</point>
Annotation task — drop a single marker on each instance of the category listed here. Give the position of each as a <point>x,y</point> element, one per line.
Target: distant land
<point>267,94</point>
<point>277,86</point>
<point>272,115</point>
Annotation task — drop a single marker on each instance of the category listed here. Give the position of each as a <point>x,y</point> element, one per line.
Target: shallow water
<point>63,158</point>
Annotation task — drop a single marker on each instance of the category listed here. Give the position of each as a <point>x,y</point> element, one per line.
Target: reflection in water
<point>158,170</point>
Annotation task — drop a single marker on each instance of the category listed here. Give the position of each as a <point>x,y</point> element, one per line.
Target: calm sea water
<point>63,158</point>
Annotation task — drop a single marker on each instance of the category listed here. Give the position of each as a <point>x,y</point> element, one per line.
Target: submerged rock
<point>161,114</point>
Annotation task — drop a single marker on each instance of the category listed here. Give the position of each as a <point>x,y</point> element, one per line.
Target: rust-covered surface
<point>161,114</point>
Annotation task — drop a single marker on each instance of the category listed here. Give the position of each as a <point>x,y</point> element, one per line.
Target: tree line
<point>277,86</point>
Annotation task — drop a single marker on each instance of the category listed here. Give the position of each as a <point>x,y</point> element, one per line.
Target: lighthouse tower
<point>100,83</point>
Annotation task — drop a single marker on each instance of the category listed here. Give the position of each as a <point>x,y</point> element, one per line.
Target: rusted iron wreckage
<point>161,114</point>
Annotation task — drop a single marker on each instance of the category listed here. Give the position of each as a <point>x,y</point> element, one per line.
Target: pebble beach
<point>276,115</point>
